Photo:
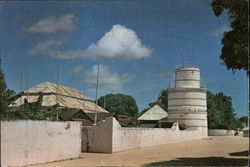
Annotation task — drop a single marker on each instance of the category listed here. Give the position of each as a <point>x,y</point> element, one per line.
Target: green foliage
<point>162,101</point>
<point>26,113</point>
<point>244,120</point>
<point>221,114</point>
<point>119,104</point>
<point>234,53</point>
<point>5,93</point>
<point>33,111</point>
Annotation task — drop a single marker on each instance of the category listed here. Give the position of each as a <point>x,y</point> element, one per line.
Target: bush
<point>182,126</point>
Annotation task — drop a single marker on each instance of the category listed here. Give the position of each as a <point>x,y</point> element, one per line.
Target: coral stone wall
<point>25,142</point>
<point>109,137</point>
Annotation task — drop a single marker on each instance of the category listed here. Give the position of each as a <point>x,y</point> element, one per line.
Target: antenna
<point>57,88</point>
<point>27,93</point>
<point>97,82</point>
<point>21,85</point>
<point>1,84</point>
<point>184,64</point>
<point>104,101</point>
<point>84,98</point>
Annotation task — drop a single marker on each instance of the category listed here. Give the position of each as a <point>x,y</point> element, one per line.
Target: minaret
<point>187,102</point>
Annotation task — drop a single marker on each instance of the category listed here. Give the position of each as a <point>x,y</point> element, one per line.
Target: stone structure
<point>108,137</point>
<point>218,132</point>
<point>187,102</point>
<point>25,142</point>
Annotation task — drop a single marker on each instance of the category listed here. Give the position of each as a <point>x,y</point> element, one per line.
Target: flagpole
<point>57,90</point>
<point>97,86</point>
<point>21,85</point>
<point>27,93</point>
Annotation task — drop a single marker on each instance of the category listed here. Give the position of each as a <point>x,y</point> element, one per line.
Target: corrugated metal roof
<point>67,97</point>
<point>154,113</point>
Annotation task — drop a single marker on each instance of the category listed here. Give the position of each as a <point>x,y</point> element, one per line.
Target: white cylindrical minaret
<point>187,78</point>
<point>187,102</point>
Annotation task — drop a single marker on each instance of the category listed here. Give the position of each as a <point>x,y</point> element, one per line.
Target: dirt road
<point>212,151</point>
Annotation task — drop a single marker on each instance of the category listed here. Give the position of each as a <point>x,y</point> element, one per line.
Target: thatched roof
<point>67,97</point>
<point>154,113</point>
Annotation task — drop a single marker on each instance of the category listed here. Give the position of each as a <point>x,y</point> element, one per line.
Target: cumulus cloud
<point>220,30</point>
<point>107,78</point>
<point>53,24</point>
<point>120,43</point>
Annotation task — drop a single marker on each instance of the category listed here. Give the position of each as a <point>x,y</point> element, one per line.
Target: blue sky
<point>139,44</point>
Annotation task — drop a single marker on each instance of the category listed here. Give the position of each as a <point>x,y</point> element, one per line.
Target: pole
<point>57,90</point>
<point>97,82</point>
<point>27,95</point>
<point>248,99</point>
<point>21,85</point>
<point>1,89</point>
<point>104,101</point>
<point>84,98</point>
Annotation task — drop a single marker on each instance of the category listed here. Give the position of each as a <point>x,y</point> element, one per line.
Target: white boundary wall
<point>25,142</point>
<point>109,137</point>
<point>217,132</point>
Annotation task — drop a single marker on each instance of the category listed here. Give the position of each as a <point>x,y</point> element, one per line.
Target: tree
<point>119,104</point>
<point>244,120</point>
<point>33,111</point>
<point>234,53</point>
<point>221,114</point>
<point>5,93</point>
<point>162,101</point>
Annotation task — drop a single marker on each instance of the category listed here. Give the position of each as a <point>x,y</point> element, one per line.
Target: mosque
<point>187,103</point>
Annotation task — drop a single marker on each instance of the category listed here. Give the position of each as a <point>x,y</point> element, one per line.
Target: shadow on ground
<point>241,153</point>
<point>202,161</point>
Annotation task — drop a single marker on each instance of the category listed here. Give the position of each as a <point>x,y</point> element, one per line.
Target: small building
<point>72,104</point>
<point>125,121</point>
<point>63,97</point>
<point>151,117</point>
<point>86,118</point>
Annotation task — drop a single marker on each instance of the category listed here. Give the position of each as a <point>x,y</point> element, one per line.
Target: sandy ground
<point>212,151</point>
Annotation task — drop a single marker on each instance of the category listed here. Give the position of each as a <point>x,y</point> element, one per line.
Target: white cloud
<point>120,43</point>
<point>53,24</point>
<point>164,74</point>
<point>220,30</point>
<point>77,69</point>
<point>70,54</point>
<point>43,47</point>
<point>107,78</point>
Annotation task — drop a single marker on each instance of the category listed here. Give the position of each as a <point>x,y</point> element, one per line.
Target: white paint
<point>189,99</point>
<point>98,138</point>
<point>217,132</point>
<point>109,137</point>
<point>25,142</point>
<point>187,78</point>
<point>154,113</point>
<point>187,102</point>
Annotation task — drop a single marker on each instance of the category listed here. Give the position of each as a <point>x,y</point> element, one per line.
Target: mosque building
<point>187,101</point>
